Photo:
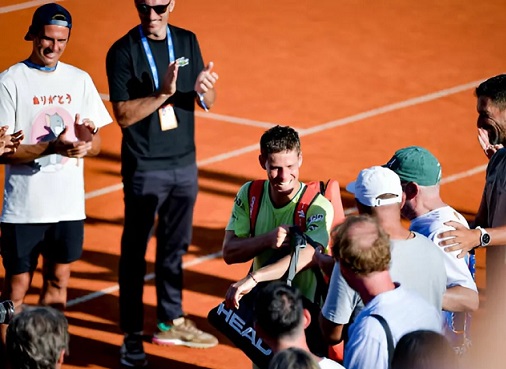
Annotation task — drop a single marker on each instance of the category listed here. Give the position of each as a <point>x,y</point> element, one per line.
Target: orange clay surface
<point>357,79</point>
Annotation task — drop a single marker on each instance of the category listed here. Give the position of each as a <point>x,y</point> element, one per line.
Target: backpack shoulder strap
<point>255,193</point>
<point>390,339</point>
<point>332,191</point>
<point>307,197</point>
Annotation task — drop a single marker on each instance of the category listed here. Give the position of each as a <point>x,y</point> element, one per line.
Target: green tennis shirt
<point>318,222</point>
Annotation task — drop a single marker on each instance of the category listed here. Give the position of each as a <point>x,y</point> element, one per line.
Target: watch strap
<point>484,237</point>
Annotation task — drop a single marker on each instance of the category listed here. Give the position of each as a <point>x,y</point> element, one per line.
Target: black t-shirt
<point>145,146</point>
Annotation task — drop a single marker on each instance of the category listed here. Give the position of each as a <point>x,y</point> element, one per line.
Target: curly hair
<point>363,253</point>
<point>279,139</point>
<point>36,338</point>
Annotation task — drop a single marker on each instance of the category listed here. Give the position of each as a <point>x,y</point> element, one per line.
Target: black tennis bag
<point>238,324</point>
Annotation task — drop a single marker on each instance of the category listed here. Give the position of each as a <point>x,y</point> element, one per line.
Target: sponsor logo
<point>316,218</point>
<point>238,202</point>
<point>251,205</point>
<point>238,324</point>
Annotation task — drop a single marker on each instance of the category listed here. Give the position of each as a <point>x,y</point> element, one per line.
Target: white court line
<point>28,4</point>
<point>226,118</point>
<point>302,132</point>
<point>109,290</point>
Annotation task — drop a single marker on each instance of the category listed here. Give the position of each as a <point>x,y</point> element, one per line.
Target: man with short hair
<point>416,263</point>
<point>420,174</point>
<point>281,319</point>
<point>60,111</point>
<point>268,244</point>
<point>490,221</point>
<point>37,338</point>
<point>362,249</point>
<point>156,76</point>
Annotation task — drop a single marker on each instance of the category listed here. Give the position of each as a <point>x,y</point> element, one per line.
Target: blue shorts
<point>21,244</point>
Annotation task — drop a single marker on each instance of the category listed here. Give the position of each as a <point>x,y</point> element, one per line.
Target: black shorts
<point>21,244</point>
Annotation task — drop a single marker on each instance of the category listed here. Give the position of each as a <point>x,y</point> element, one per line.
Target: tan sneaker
<point>184,332</point>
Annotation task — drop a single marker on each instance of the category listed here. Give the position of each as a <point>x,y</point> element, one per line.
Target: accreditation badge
<point>167,117</point>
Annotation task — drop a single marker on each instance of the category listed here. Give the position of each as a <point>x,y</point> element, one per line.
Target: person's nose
<point>153,14</point>
<point>284,174</point>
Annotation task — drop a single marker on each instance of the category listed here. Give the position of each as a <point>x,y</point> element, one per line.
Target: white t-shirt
<point>51,188</point>
<point>326,363</point>
<point>416,264</point>
<point>404,312</point>
<point>430,225</point>
<point>456,324</point>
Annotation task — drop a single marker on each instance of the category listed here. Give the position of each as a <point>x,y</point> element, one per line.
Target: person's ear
<point>261,160</point>
<point>306,316</point>
<point>171,6</point>
<point>300,160</point>
<point>411,190</point>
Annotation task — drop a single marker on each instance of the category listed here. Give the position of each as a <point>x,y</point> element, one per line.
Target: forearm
<point>239,249</point>
<point>497,236</point>
<point>129,112</point>
<point>460,299</point>
<point>278,269</point>
<point>332,332</point>
<point>28,153</point>
<point>325,262</point>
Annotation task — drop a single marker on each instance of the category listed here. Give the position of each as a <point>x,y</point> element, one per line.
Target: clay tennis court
<point>357,79</point>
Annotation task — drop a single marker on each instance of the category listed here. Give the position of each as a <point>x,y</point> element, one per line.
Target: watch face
<point>485,239</point>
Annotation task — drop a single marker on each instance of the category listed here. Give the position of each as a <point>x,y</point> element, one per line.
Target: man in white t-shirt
<point>59,110</point>
<point>416,263</point>
<point>362,249</point>
<point>420,174</point>
<point>281,320</point>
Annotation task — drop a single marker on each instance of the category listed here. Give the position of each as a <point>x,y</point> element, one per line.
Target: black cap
<point>46,15</point>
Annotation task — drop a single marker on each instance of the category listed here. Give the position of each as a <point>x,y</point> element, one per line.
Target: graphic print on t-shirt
<point>47,126</point>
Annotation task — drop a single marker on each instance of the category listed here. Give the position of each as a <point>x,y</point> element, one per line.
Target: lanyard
<point>29,64</point>
<point>149,55</point>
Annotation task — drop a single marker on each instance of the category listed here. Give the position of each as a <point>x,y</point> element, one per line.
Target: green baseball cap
<point>416,164</point>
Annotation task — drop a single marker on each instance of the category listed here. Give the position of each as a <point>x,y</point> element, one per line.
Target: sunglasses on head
<point>145,9</point>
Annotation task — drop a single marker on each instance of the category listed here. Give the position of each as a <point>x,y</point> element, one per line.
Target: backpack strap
<point>306,199</point>
<point>323,186</point>
<point>390,339</point>
<point>255,193</point>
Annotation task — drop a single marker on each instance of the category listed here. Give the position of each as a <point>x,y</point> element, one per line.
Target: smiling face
<point>49,45</point>
<point>153,24</point>
<point>283,174</point>
<point>492,118</point>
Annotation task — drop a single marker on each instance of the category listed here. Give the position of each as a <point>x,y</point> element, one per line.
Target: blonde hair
<point>362,253</point>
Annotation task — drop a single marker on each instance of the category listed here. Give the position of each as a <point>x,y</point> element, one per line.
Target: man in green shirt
<point>268,244</point>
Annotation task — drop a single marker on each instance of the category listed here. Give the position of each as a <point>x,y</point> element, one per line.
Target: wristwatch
<point>484,237</point>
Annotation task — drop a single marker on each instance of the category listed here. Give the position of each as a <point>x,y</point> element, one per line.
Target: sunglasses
<point>145,9</point>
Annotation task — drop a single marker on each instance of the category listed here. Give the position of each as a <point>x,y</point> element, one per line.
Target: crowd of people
<point>396,297</point>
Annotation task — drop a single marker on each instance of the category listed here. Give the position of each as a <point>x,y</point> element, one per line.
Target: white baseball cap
<point>373,182</point>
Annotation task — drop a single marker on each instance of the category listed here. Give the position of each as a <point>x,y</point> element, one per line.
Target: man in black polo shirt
<point>156,74</point>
